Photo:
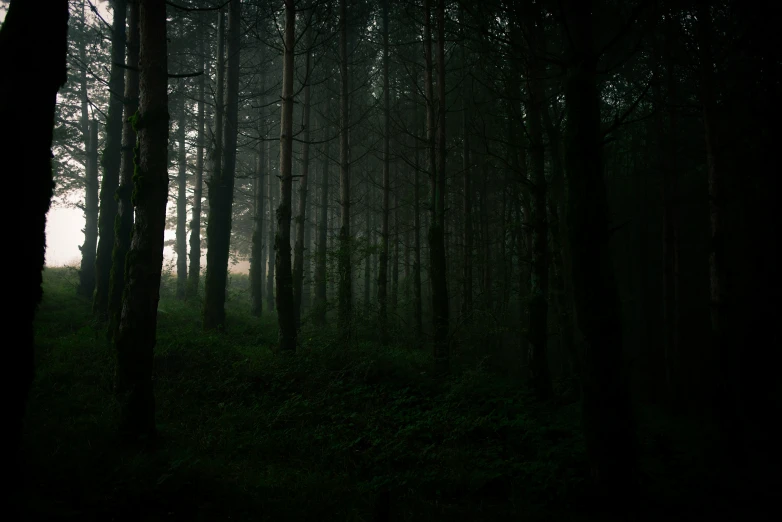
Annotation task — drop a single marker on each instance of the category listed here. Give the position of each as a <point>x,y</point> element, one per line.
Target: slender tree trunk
<point>272,247</point>
<point>257,257</point>
<point>181,208</point>
<point>286,312</point>
<point>135,341</point>
<point>395,263</point>
<point>123,223</point>
<point>368,258</point>
<point>87,270</point>
<point>344,310</point>
<point>727,400</point>
<point>221,186</point>
<point>301,225</point>
<point>538,304</point>
<point>382,278</point>
<point>32,76</point>
<point>488,302</point>
<point>609,427</point>
<point>467,187</point>
<point>112,155</point>
<point>323,224</point>
<point>437,176</point>
<point>417,300</point>
<point>195,223</point>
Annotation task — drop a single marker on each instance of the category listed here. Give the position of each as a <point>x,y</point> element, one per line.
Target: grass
<point>249,435</point>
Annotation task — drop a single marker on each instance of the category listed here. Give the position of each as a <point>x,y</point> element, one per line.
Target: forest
<point>507,259</point>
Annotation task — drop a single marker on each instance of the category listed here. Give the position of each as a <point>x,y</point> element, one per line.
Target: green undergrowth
<point>246,434</point>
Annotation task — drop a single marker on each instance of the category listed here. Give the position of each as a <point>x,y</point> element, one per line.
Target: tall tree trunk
<point>112,155</point>
<point>286,312</point>
<point>344,310</point>
<point>87,270</point>
<point>212,314</point>
<point>301,225</point>
<point>467,185</point>
<point>538,304</point>
<point>257,259</point>
<point>123,223</point>
<point>382,277</point>
<point>195,224</point>
<point>323,224</point>
<point>368,258</point>
<point>181,208</point>
<point>609,428</point>
<point>488,302</point>
<point>727,401</point>
<point>135,341</point>
<point>32,76</point>
<point>221,186</point>
<point>417,299</point>
<point>395,261</point>
<point>437,176</point>
<point>272,247</point>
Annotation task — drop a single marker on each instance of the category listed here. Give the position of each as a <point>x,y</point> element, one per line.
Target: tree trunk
<point>135,341</point>
<point>344,311</point>
<point>195,223</point>
<point>467,187</point>
<point>538,304</point>
<point>181,208</point>
<point>112,156</point>
<point>395,262</point>
<point>320,256</point>
<point>301,225</point>
<point>609,427</point>
<point>87,270</point>
<point>286,312</point>
<point>727,402</point>
<point>272,247</point>
<point>257,259</point>
<point>221,186</point>
<point>123,223</point>
<point>417,300</point>
<point>32,76</point>
<point>382,277</point>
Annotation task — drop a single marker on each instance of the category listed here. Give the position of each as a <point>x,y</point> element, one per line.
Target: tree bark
<point>467,185</point>
<point>272,246</point>
<point>194,274</point>
<point>345,305</point>
<point>123,223</point>
<point>135,341</point>
<point>112,156</point>
<point>87,270</point>
<point>382,277</point>
<point>181,208</point>
<point>32,76</point>
<point>257,257</point>
<point>538,305</point>
<point>320,257</point>
<point>286,313</point>
<point>609,427</point>
<point>221,186</point>
<point>301,225</point>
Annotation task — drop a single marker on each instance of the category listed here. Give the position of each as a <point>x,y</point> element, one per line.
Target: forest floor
<point>249,435</point>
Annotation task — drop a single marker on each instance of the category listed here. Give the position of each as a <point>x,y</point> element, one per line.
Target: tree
<point>135,340</point>
<point>382,278</point>
<point>345,304</point>
<point>286,314</point>
<point>112,157</point>
<point>221,185</point>
<point>607,416</point>
<point>123,222</point>
<point>298,262</point>
<point>32,76</point>
<point>181,206</point>
<point>195,224</point>
<point>87,269</point>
